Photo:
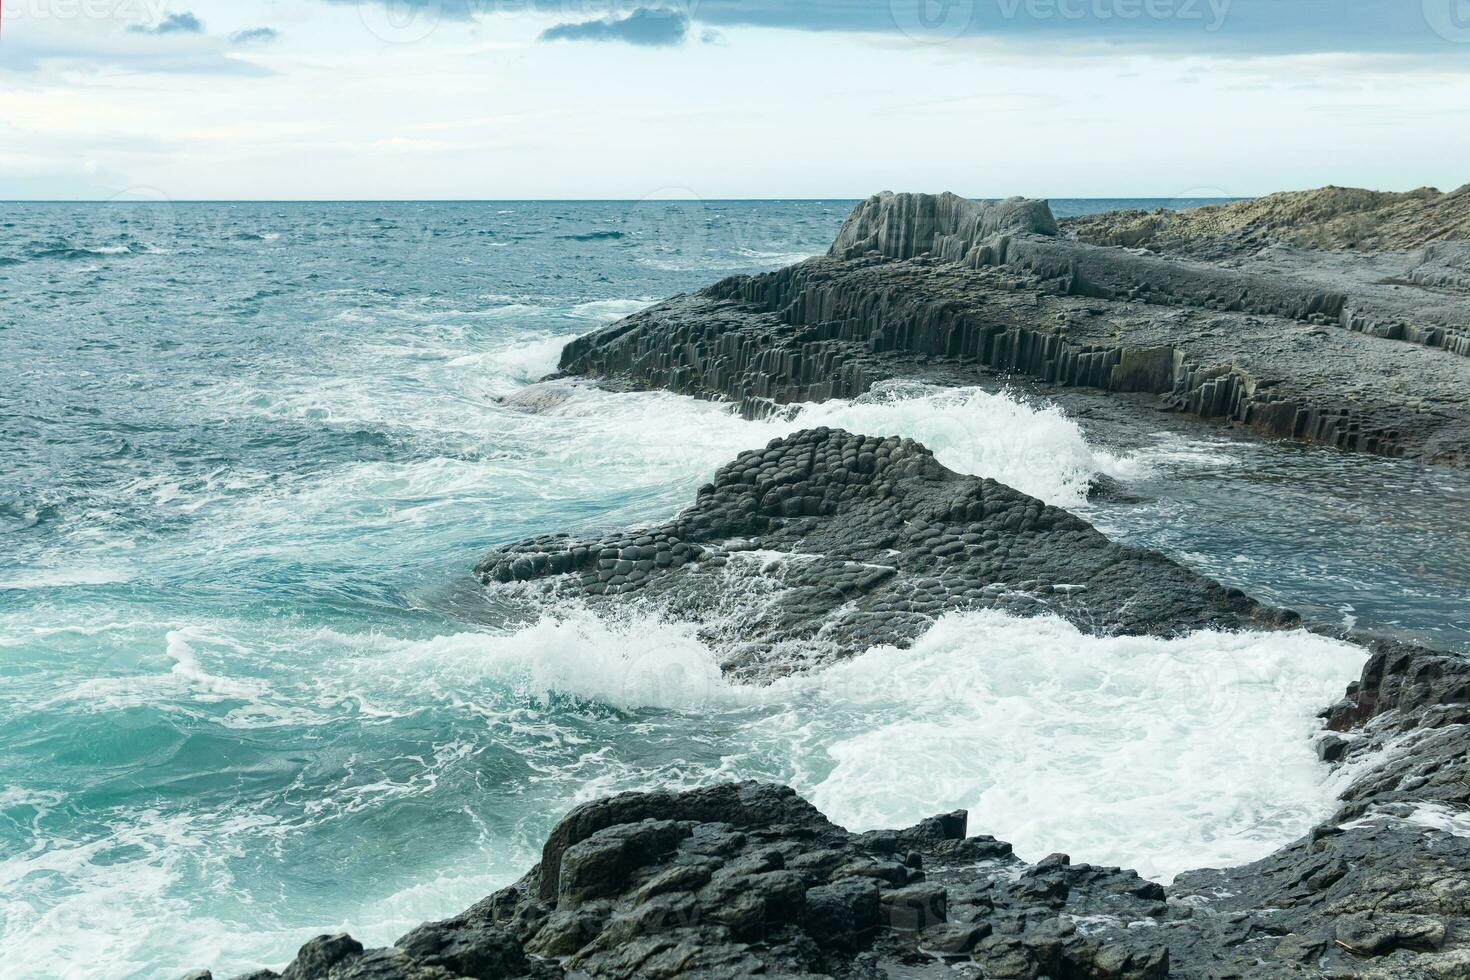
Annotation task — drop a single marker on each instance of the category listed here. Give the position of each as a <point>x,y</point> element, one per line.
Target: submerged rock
<point>540,399</point>
<point>846,541</point>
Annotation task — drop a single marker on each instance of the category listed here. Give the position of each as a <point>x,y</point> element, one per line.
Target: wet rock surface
<point>844,541</point>
<point>1293,348</point>
<point>747,879</point>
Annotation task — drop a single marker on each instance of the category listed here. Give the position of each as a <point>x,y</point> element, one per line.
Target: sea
<point>249,692</point>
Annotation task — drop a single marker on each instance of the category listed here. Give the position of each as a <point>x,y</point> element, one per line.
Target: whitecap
<point>1035,448</point>
<point>1136,751</point>
<point>1144,752</point>
<point>607,310</point>
<point>57,578</point>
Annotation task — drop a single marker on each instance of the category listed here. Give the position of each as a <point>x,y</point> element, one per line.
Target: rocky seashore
<point>826,542</point>
<point>1345,350</point>
<point>749,880</point>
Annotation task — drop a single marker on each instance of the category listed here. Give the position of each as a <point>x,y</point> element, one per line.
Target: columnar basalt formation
<point>866,541</point>
<point>1021,234</point>
<point>923,286</point>
<point>832,328</point>
<point>903,226</point>
<point>1397,260</point>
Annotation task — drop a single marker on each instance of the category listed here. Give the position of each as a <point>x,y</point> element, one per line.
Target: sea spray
<point>1110,748</point>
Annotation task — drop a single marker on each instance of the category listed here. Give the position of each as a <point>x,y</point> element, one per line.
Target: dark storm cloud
<point>184,23</point>
<point>256,35</point>
<point>1223,27</point>
<point>645,26</point>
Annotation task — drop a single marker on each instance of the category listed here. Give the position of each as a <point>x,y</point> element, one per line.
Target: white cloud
<point>344,108</point>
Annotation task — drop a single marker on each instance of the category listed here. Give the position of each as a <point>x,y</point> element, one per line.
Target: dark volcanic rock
<point>1407,723</point>
<point>950,291</point>
<point>863,540</point>
<point>902,226</point>
<point>747,879</point>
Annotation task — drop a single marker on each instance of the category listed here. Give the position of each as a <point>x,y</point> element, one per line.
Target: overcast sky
<point>333,99</point>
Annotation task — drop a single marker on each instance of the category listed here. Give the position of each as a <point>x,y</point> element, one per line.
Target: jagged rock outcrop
<point>902,226</point>
<point>1445,265</point>
<point>1411,712</point>
<point>842,542</point>
<point>1326,218</point>
<point>1021,234</point>
<point>748,880</point>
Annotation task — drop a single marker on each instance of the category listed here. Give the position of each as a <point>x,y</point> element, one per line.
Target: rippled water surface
<point>249,693</point>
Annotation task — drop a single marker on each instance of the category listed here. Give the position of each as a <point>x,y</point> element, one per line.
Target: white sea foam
<point>1437,816</point>
<point>607,310</point>
<point>631,662</point>
<point>599,438</point>
<point>179,647</point>
<point>56,578</point>
<point>1431,816</point>
<point>1035,448</point>
<point>122,914</point>
<point>1143,752</point>
<point>775,259</point>
<point>522,362</point>
<point>1138,751</point>
<point>632,457</point>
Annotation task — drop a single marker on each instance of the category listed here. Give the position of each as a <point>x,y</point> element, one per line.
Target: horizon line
<point>561,200</point>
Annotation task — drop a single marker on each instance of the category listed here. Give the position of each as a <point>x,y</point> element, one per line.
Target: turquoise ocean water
<point>249,693</point>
